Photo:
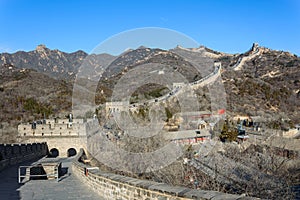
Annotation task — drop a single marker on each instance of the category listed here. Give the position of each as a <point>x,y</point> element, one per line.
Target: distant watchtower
<point>255,47</point>
<point>217,64</point>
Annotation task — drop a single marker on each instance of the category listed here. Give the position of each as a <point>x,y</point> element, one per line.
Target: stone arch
<point>71,152</point>
<point>54,152</point>
<point>62,144</point>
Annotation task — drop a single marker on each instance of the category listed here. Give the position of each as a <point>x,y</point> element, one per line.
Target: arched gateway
<point>64,137</point>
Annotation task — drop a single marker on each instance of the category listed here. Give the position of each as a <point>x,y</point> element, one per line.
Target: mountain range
<point>260,81</point>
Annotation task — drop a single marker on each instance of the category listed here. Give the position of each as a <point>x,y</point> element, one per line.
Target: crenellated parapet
<point>52,127</point>
<point>11,154</point>
<point>113,186</point>
<point>62,135</point>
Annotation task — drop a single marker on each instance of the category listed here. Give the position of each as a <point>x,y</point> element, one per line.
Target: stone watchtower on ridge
<point>254,47</point>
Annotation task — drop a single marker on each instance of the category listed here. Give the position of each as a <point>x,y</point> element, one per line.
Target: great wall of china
<point>12,154</point>
<point>113,186</point>
<point>62,135</point>
<point>120,106</point>
<point>256,50</point>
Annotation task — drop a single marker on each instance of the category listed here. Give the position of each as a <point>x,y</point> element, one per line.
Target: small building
<point>241,118</point>
<point>202,124</point>
<point>188,136</point>
<point>242,135</point>
<point>257,122</point>
<point>193,120</point>
<point>178,85</point>
<point>187,116</point>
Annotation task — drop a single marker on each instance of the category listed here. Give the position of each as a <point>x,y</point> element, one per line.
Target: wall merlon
<point>61,127</point>
<point>62,137</point>
<point>15,153</point>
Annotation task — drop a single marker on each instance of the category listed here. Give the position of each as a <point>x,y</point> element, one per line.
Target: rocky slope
<point>40,81</point>
<point>267,85</point>
<point>28,95</point>
<point>54,63</point>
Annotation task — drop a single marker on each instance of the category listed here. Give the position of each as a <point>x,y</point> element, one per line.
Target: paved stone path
<point>69,187</point>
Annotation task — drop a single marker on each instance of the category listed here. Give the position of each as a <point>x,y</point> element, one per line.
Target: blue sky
<point>228,26</point>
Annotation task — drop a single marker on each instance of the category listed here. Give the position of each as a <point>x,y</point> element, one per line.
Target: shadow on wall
<point>53,153</point>
<point>38,170</point>
<point>71,152</point>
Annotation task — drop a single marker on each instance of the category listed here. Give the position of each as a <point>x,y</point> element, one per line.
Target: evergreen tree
<point>228,133</point>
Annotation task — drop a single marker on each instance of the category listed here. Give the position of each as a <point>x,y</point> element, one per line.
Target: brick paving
<point>69,186</point>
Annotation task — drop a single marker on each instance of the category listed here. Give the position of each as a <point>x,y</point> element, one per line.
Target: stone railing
<point>11,154</point>
<point>113,186</point>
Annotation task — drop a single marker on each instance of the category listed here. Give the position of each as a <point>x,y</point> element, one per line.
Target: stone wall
<point>11,154</point>
<point>209,78</point>
<point>61,143</point>
<point>51,128</point>
<point>60,135</point>
<point>113,186</point>
<point>242,60</point>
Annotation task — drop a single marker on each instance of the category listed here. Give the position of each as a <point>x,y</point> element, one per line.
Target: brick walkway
<point>69,187</point>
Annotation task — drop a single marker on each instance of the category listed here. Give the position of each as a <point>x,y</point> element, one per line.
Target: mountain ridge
<point>267,84</point>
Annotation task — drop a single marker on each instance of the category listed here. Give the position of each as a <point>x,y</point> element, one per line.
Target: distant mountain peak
<point>199,49</point>
<point>142,47</point>
<point>41,48</point>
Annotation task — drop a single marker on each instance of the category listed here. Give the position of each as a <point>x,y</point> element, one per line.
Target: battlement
<point>114,186</point>
<point>53,127</point>
<point>11,154</point>
<point>63,136</point>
